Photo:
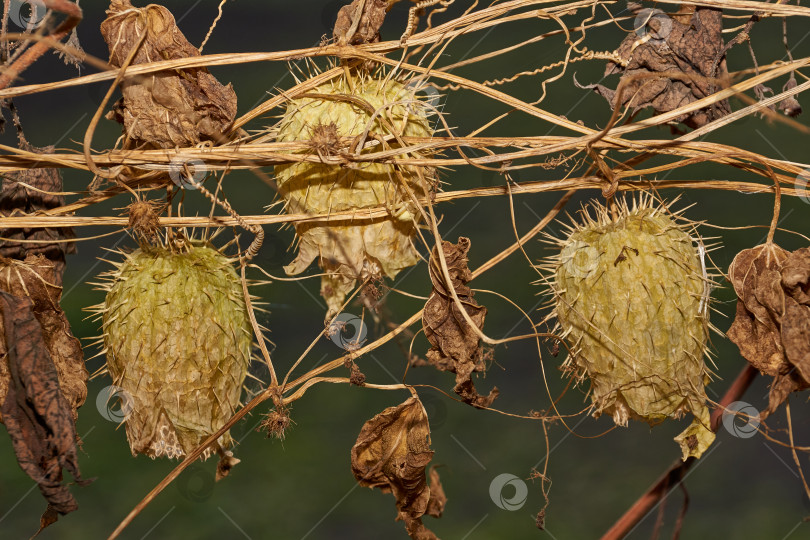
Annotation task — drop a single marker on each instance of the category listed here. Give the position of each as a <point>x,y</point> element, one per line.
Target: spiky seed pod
<point>362,249</point>
<point>631,294</point>
<point>178,342</point>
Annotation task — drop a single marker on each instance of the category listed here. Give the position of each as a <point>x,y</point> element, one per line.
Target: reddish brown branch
<point>74,16</point>
<point>672,477</point>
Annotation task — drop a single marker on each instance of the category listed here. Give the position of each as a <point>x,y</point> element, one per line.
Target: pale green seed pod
<point>371,248</point>
<point>178,341</point>
<point>632,294</point>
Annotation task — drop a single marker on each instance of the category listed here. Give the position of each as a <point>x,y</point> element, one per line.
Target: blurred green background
<point>303,487</point>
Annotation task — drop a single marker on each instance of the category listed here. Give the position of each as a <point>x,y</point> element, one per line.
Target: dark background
<point>303,487</point>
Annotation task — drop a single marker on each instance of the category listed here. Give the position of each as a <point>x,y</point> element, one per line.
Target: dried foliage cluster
<point>355,159</point>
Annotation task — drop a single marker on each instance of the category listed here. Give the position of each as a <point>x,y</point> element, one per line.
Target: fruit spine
<point>631,294</point>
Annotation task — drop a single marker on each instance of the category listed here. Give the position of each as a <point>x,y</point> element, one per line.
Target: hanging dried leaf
<point>169,108</point>
<point>35,278</point>
<point>37,416</point>
<point>27,192</point>
<point>772,325</point>
<point>455,346</point>
<point>682,53</point>
<point>360,22</point>
<point>391,453</point>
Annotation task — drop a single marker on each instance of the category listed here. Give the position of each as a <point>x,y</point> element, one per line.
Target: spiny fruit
<point>348,107</point>
<point>178,342</point>
<point>631,294</point>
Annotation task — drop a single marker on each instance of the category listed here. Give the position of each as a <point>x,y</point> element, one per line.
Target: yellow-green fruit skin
<point>362,249</point>
<point>631,298</point>
<point>178,342</point>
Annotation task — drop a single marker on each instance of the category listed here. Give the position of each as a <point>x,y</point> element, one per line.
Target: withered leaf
<point>360,22</point>
<point>772,325</point>
<point>666,46</point>
<point>391,454</point>
<point>168,109</point>
<point>35,278</point>
<point>17,199</point>
<point>796,275</point>
<point>455,346</point>
<point>36,414</point>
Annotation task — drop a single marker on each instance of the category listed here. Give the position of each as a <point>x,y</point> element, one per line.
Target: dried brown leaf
<point>360,22</point>
<point>668,46</point>
<point>772,325</point>
<point>37,416</point>
<point>17,198</point>
<point>455,346</point>
<point>796,276</point>
<point>167,109</point>
<point>391,454</point>
<point>35,278</point>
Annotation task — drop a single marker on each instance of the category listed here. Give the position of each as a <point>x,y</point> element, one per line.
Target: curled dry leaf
<point>772,325</point>
<point>37,415</point>
<point>35,279</point>
<point>27,192</point>
<point>667,64</point>
<point>455,346</point>
<point>43,379</point>
<point>391,453</point>
<point>167,109</point>
<point>360,22</point>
